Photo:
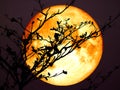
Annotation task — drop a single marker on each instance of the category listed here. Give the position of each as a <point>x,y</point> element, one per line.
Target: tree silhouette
<point>13,63</point>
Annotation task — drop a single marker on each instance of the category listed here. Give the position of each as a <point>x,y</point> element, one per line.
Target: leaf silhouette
<point>49,74</point>
<point>65,72</point>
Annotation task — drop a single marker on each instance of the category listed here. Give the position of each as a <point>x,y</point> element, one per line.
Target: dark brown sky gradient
<point>100,10</point>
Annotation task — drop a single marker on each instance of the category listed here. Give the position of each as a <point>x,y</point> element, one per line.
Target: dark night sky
<point>100,10</point>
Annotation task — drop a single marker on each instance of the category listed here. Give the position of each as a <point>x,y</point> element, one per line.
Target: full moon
<point>80,63</point>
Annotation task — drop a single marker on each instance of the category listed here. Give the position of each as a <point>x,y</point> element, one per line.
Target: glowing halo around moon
<point>81,62</point>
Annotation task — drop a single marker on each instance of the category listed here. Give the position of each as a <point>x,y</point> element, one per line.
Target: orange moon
<point>80,63</point>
